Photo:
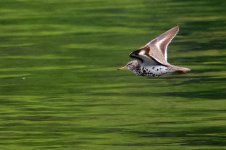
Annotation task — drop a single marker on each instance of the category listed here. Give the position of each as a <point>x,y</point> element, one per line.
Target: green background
<point>59,87</point>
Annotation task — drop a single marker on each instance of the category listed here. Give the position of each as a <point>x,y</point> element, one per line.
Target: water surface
<point>60,88</point>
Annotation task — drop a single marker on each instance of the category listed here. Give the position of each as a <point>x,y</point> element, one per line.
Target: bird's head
<point>132,65</point>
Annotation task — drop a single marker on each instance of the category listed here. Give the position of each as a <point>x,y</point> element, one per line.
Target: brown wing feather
<point>154,53</point>
<point>156,50</point>
<point>149,55</point>
<point>162,41</point>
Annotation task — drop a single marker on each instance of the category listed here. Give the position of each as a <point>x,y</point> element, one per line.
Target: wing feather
<point>162,41</point>
<point>155,51</point>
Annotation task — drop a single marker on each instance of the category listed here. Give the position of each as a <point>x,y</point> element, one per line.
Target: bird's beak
<point>123,68</point>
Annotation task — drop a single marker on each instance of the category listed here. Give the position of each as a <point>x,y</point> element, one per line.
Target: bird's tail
<point>180,70</point>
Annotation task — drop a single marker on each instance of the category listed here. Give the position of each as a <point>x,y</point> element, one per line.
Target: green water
<point>59,87</point>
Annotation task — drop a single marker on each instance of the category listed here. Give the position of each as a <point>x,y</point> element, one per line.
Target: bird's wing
<point>162,41</point>
<point>155,51</point>
<point>149,55</point>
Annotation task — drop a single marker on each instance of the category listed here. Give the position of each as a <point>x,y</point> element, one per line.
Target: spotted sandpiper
<point>151,60</point>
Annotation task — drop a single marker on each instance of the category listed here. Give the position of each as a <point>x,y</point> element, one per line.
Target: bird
<point>151,59</point>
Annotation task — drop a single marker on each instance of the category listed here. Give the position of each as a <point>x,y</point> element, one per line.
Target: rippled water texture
<point>59,87</point>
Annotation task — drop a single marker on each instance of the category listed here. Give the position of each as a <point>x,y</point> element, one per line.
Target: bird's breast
<point>154,71</point>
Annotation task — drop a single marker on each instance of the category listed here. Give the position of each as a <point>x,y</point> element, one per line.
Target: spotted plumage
<point>151,60</point>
